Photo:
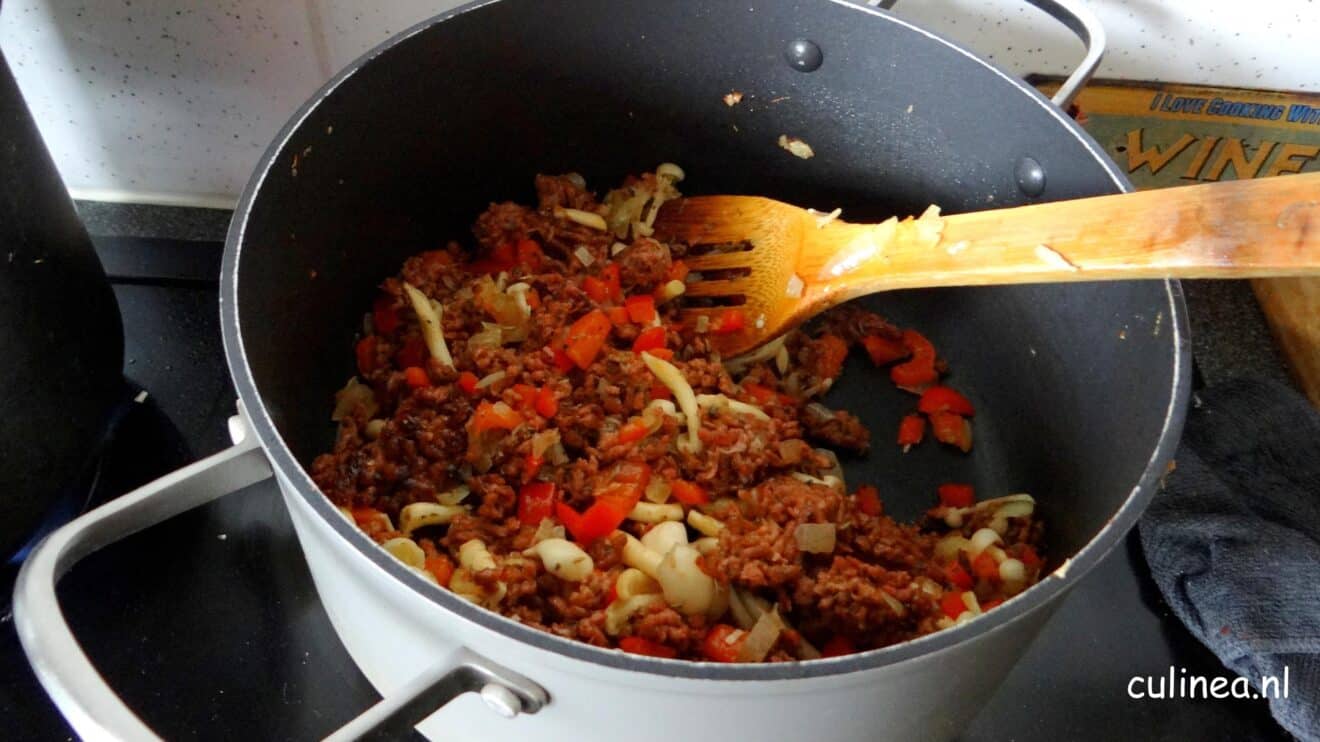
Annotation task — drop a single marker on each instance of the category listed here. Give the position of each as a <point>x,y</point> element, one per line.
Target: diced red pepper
<point>586,337</point>
<point>441,568</point>
<point>830,351</point>
<point>959,576</point>
<point>529,254</point>
<point>995,603</point>
<point>759,394</point>
<point>943,399</point>
<point>952,604</point>
<point>953,429</point>
<point>601,519</point>
<point>611,276</point>
<point>911,430</point>
<point>660,391</point>
<point>868,500</point>
<point>497,416</point>
<point>500,259</point>
<point>413,353</point>
<point>383,316</point>
<point>664,354</point>
<point>618,315</point>
<point>838,646</point>
<point>717,646</point>
<point>546,404</point>
<point>729,321</point>
<point>533,298</point>
<point>526,396</point>
<point>562,362</point>
<point>920,371</point>
<point>416,377</point>
<point>641,309</point>
<point>1028,556</point>
<point>883,350</point>
<point>678,270</point>
<point>985,566</point>
<point>366,354</point>
<point>638,645</point>
<point>649,339</point>
<point>536,502</point>
<point>613,594</point>
<point>957,495</point>
<point>632,431</point>
<point>532,466</point>
<point>688,493</point>
<point>596,289</point>
<point>467,381</point>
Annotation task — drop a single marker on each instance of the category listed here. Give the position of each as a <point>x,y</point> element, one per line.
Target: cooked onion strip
<point>429,314</point>
<point>490,379</point>
<point>745,361</point>
<point>671,377</point>
<point>585,218</point>
<point>761,638</point>
<point>353,394</point>
<point>815,538</point>
<point>721,402</point>
<point>453,496</point>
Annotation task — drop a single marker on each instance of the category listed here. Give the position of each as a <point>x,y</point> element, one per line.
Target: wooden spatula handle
<point>1240,229</point>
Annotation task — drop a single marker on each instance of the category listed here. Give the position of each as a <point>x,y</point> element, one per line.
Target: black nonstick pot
<point>60,378</point>
<point>1080,389</point>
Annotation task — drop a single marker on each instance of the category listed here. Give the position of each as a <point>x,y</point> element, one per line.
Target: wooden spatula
<point>766,266</point>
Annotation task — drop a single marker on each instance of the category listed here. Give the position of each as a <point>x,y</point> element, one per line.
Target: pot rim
<point>1048,589</point>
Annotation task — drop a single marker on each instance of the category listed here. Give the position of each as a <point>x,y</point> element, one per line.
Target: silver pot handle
<point>95,711</point>
<point>1080,20</point>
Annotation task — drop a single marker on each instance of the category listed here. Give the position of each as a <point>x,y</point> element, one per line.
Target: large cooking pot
<point>1080,389</point>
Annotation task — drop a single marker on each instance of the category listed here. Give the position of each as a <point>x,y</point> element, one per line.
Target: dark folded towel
<point>1233,540</point>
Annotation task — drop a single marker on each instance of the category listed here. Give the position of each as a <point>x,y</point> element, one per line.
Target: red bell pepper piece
<point>416,377</point>
<point>532,466</point>
<point>500,259</point>
<point>911,430</point>
<point>601,519</point>
<point>467,381</point>
<point>441,567</point>
<point>953,429</point>
<point>649,339</point>
<point>943,399</point>
<point>958,576</point>
<point>717,646</point>
<point>562,362</point>
<point>413,353</point>
<point>632,431</point>
<point>618,315</point>
<point>611,276</point>
<point>596,289</point>
<point>383,316</point>
<point>638,645</point>
<point>952,604</point>
<point>536,502</point>
<point>528,254</point>
<point>641,309</point>
<point>729,321</point>
<point>629,472</point>
<point>526,396</point>
<point>664,354</point>
<point>497,416</point>
<point>838,646</point>
<point>957,495</point>
<point>994,603</point>
<point>920,371</point>
<point>546,404</point>
<point>586,337</point>
<point>366,354</point>
<point>985,566</point>
<point>868,500</point>
<point>678,270</point>
<point>1028,556</point>
<point>883,350</point>
<point>688,493</point>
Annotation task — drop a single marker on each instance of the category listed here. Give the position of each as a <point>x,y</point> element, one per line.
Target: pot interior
<point>1073,384</point>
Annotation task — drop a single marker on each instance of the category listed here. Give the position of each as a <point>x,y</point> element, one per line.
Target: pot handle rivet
<point>1030,176</point>
<point>804,55</point>
<point>501,700</point>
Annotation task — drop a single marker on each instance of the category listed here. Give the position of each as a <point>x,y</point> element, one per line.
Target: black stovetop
<point>210,628</point>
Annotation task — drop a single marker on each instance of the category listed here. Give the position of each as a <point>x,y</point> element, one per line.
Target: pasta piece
<point>474,555</point>
<point>637,555</point>
<point>405,550</point>
<point>421,514</point>
<point>563,559</point>
<point>670,376</point>
<point>686,586</point>
<point>650,512</point>
<point>705,525</point>
<point>633,581</point>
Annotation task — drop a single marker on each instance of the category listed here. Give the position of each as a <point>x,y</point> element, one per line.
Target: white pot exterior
<point>395,633</point>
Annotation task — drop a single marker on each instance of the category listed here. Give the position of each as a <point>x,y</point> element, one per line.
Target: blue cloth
<point>1233,539</point>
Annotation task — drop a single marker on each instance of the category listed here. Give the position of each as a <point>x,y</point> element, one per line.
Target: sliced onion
<point>741,363</point>
<point>671,377</point>
<point>898,608</point>
<point>657,490</point>
<point>490,379</point>
<point>947,548</point>
<point>544,441</point>
<point>792,451</point>
<point>761,638</point>
<point>585,218</point>
<point>815,538</point>
<point>583,255</point>
<point>547,528</point>
<point>721,402</point>
<point>670,290</point>
<point>353,394</point>
<point>980,540</point>
<point>374,428</point>
<point>703,323</point>
<point>671,171</point>
<point>429,313</point>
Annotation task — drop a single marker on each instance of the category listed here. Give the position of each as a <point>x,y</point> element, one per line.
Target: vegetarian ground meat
<point>534,426</point>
